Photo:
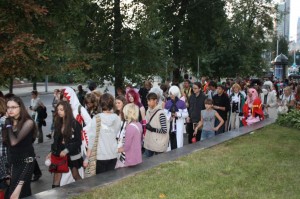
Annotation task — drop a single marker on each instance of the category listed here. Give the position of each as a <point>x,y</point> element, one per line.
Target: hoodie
<point>107,148</point>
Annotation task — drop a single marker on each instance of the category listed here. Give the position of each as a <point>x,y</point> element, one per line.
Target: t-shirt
<point>208,119</point>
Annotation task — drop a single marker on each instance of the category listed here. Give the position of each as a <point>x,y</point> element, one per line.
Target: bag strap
<point>79,109</point>
<point>137,128</point>
<point>94,150</point>
<point>153,115</point>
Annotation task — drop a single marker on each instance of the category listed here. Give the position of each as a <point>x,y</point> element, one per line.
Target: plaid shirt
<point>3,148</point>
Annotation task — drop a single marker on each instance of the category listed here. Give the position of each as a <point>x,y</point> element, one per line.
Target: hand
<point>62,154</point>
<point>48,156</point>
<point>195,133</point>
<point>120,150</point>
<point>150,128</point>
<point>215,129</point>
<point>86,162</point>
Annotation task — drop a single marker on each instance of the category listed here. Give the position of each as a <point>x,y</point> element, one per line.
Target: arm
<point>27,127</point>
<point>163,124</point>
<point>198,126</point>
<point>75,142</point>
<point>143,113</point>
<point>220,119</point>
<point>38,103</point>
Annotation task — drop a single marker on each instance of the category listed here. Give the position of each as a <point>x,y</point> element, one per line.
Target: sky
<point>294,15</point>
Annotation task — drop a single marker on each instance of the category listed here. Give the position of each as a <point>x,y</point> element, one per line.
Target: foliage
<point>291,119</point>
<point>259,165</point>
<point>20,47</point>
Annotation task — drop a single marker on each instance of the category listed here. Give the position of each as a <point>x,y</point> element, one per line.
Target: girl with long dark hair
<point>67,141</point>
<point>19,132</point>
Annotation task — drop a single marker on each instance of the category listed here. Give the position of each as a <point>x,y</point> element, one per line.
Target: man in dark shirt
<point>196,104</point>
<point>222,106</point>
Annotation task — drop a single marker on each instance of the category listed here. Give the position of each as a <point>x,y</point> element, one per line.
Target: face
<point>186,84</point>
<point>119,104</point>
<point>172,96</point>
<point>13,109</point>
<point>196,89</point>
<point>249,94</point>
<point>89,104</point>
<point>60,111</point>
<point>152,103</point>
<point>236,89</point>
<point>286,92</point>
<point>130,98</point>
<point>220,90</point>
<point>33,96</point>
<point>208,106</point>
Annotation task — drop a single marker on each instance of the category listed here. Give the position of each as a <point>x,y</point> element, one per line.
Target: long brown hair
<point>24,116</point>
<point>65,122</point>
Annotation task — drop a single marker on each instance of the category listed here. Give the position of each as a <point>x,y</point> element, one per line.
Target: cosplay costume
<point>82,116</point>
<point>21,156</point>
<point>252,109</point>
<point>178,107</point>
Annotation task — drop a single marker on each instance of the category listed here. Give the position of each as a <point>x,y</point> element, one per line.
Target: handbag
<point>58,164</point>
<point>91,168</point>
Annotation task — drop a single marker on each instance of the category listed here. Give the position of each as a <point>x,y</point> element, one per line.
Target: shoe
<point>49,136</point>
<point>36,177</point>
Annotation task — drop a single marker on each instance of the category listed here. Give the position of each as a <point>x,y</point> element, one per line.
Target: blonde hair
<point>236,86</point>
<point>131,112</point>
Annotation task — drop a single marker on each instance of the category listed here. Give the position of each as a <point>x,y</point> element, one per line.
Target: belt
<point>29,159</point>
<point>23,160</point>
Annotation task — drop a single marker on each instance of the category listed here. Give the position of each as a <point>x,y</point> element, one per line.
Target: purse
<point>58,164</point>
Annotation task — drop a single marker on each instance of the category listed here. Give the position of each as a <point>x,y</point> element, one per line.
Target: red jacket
<point>256,110</point>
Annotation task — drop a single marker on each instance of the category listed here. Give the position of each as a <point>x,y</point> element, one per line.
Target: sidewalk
<point>25,89</point>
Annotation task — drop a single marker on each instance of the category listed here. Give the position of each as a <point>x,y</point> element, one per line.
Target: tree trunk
<point>176,38</point>
<point>34,83</point>
<point>11,84</point>
<point>117,46</point>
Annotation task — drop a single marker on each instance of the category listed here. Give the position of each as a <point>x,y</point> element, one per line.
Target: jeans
<point>221,129</point>
<point>149,153</point>
<point>207,134</point>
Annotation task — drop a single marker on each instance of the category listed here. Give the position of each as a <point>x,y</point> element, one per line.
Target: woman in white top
<point>287,98</point>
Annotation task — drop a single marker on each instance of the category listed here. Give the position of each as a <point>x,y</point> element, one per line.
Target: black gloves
<point>8,123</point>
<point>150,128</point>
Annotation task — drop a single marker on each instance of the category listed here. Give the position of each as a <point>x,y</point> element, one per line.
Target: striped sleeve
<point>163,124</point>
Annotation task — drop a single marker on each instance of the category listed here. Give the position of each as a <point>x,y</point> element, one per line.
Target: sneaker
<point>49,136</point>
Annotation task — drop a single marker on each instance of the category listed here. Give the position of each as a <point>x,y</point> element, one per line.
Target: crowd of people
<point>95,132</point>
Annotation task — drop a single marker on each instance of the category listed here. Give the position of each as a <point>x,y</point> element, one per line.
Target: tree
<point>20,48</point>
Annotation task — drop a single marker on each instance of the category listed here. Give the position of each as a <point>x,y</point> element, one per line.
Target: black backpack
<point>42,112</point>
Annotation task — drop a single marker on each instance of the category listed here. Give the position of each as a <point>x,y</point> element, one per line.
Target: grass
<point>264,164</point>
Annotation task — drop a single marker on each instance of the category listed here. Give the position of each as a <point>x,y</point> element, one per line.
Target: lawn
<point>263,164</point>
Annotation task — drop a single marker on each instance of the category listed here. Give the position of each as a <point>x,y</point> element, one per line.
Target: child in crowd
<point>208,121</point>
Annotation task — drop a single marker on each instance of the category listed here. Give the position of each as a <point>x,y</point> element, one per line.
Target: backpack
<point>42,112</point>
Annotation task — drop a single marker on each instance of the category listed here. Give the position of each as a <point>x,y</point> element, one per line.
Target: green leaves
<point>291,119</point>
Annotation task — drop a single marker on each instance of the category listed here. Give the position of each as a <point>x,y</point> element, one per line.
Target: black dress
<point>21,157</point>
<point>73,145</point>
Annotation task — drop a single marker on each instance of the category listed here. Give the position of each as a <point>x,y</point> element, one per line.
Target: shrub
<point>291,119</point>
